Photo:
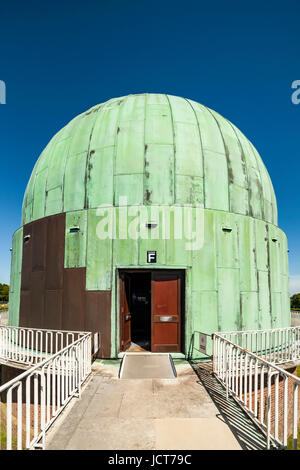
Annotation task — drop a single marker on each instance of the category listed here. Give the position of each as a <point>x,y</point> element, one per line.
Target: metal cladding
<point>155,149</point>
<point>152,149</point>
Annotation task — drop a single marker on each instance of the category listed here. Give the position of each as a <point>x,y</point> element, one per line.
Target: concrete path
<point>145,414</point>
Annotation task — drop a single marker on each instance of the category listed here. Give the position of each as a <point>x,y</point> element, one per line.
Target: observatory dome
<point>149,151</point>
<point>153,149</point>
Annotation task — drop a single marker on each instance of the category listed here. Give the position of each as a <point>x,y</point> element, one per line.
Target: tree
<point>4,292</point>
<point>295,301</point>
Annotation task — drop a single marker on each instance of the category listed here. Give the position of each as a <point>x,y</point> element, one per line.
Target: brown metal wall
<point>55,297</point>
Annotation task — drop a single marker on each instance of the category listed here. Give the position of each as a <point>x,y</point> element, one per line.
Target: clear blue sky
<point>239,58</point>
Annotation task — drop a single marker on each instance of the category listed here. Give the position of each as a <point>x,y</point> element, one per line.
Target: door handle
<point>127,317</point>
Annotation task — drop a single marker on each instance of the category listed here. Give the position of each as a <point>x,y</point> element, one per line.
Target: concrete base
<point>142,414</point>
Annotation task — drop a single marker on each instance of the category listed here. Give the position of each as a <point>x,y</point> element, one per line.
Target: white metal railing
<point>267,392</point>
<point>30,345</point>
<point>33,400</point>
<point>278,345</point>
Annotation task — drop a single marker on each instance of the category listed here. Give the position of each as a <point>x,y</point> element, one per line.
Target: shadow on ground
<point>242,427</point>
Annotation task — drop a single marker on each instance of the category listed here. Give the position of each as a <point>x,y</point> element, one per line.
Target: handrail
<point>31,345</point>
<point>247,377</point>
<point>45,389</point>
<point>277,345</point>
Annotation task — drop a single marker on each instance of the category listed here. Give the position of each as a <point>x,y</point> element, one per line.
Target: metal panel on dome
<point>189,190</point>
<point>204,277</point>
<point>211,137</point>
<point>261,245</point>
<point>57,163</point>
<point>27,257</point>
<point>255,192</point>
<point>53,309</point>
<point>132,108</point>
<point>159,174</point>
<point>55,252</point>
<point>74,300</point>
<point>264,297</point>
<point>54,201</point>
<point>216,181</point>
<point>158,124</point>
<point>39,195</point>
<point>74,183</point>
<point>175,248</point>
<point>15,278</point>
<point>75,239</point>
<point>130,148</point>
<point>227,241</point>
<point>203,303</point>
<point>37,298</point>
<point>189,160</point>
<point>129,187</point>
<point>99,251</point>
<point>239,199</point>
<point>275,258</point>
<point>80,140</point>
<point>98,307</point>
<point>234,154</point>
<point>105,127</point>
<point>247,255</point>
<point>99,182</point>
<point>228,299</point>
<point>125,249</point>
<point>249,310</point>
<point>266,186</point>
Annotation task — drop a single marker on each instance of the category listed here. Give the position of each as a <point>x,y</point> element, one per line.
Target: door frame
<point>135,270</point>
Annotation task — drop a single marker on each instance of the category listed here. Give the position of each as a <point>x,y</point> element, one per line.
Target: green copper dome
<point>153,149</point>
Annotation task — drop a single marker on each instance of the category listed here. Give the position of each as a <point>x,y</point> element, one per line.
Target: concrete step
<point>137,365</point>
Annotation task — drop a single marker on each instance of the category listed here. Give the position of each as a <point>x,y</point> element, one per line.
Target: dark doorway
<point>137,292</point>
<point>151,310</point>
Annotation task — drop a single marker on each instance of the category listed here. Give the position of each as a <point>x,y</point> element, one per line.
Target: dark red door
<point>125,316</point>
<point>165,311</point>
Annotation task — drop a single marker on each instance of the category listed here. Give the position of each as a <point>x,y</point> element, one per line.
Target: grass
<point>3,437</point>
<point>3,306</point>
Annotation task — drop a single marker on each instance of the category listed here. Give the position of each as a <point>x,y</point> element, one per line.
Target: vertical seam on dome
<point>64,173</point>
<point>261,182</point>
<point>226,155</point>
<point>85,204</point>
<point>144,166</point>
<point>115,148</point>
<point>33,175</point>
<point>274,207</point>
<point>115,327</point>
<point>244,160</point>
<point>46,179</point>
<point>174,150</point>
<point>63,179</point>
<point>202,149</point>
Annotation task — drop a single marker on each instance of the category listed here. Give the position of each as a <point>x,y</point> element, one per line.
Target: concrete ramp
<point>147,366</point>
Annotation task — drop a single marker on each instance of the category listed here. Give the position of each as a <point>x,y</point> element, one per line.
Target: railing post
<point>226,371</point>
<point>43,402</point>
<point>295,416</point>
